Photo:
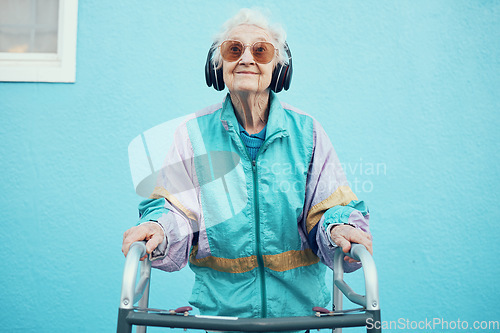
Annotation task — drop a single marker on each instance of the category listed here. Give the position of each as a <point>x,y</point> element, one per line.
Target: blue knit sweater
<point>252,141</point>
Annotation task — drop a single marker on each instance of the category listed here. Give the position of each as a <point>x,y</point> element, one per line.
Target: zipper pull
<point>253,163</point>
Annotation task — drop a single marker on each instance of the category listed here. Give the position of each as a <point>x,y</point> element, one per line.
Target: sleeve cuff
<point>329,233</point>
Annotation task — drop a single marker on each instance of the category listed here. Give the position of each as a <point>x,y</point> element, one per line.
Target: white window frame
<point>47,67</point>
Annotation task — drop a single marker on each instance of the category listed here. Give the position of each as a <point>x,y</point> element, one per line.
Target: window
<point>38,40</point>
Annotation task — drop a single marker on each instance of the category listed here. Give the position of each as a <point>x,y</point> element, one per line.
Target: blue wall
<point>408,87</point>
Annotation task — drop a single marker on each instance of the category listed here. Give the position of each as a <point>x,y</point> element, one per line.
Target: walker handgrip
<point>129,294</point>
<point>358,252</point>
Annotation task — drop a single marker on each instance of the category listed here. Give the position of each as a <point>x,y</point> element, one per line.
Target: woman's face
<point>244,74</point>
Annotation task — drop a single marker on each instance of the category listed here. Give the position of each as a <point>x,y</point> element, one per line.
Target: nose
<point>247,57</point>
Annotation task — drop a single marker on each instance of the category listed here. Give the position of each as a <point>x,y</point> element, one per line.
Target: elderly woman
<point>260,235</point>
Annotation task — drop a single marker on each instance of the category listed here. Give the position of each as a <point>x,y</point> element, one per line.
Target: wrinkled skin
<point>149,231</point>
<point>343,235</point>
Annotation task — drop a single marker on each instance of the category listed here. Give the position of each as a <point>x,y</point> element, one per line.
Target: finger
<point>355,236</point>
<point>125,242</point>
<point>350,260</point>
<point>360,237</point>
<point>369,246</point>
<point>338,238</point>
<point>134,234</point>
<point>125,233</point>
<point>343,243</point>
<point>365,235</point>
<point>124,248</point>
<point>153,243</point>
<point>369,239</point>
<point>368,243</point>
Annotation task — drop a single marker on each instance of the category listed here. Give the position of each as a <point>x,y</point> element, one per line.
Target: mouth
<point>247,73</point>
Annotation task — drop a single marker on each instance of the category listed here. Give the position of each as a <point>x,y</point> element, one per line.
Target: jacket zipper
<point>260,259</point>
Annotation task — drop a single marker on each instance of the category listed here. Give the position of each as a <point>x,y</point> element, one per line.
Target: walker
<point>142,316</point>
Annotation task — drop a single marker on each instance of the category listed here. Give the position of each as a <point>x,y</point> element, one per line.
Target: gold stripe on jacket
<point>277,262</point>
<point>342,196</point>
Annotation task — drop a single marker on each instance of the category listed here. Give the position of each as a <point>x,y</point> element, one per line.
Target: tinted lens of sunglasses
<point>262,52</point>
<point>231,50</point>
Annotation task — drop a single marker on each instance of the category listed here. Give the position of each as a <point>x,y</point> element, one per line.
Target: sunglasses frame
<point>276,51</point>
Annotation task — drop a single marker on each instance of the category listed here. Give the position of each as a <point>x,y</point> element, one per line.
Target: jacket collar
<point>275,122</point>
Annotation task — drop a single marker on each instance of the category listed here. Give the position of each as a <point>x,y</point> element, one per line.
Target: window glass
<point>29,26</point>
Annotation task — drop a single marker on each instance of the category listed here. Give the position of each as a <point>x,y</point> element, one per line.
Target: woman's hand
<point>343,235</point>
<point>149,231</point>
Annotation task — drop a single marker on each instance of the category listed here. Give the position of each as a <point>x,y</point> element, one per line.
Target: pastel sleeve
<point>329,201</point>
<point>174,205</point>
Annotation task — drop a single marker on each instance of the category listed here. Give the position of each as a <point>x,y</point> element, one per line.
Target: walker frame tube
<point>371,300</point>
<point>131,294</point>
<point>129,315</point>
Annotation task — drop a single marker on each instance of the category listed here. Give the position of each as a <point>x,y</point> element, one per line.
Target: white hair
<point>251,17</point>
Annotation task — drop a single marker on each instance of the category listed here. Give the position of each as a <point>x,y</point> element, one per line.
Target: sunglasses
<point>262,52</point>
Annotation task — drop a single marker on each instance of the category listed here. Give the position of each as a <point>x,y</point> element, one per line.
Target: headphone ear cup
<point>276,80</point>
<point>288,74</point>
<point>219,76</point>
<point>282,74</point>
<point>208,75</point>
<point>213,75</point>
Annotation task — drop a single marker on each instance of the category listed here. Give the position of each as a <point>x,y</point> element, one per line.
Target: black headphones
<point>282,74</point>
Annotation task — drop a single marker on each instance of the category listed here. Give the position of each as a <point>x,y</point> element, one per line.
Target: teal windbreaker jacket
<point>253,231</point>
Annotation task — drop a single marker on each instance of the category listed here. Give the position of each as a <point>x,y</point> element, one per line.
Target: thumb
<point>344,244</point>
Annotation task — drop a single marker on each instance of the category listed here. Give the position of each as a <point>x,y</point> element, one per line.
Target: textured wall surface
<point>407,91</point>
